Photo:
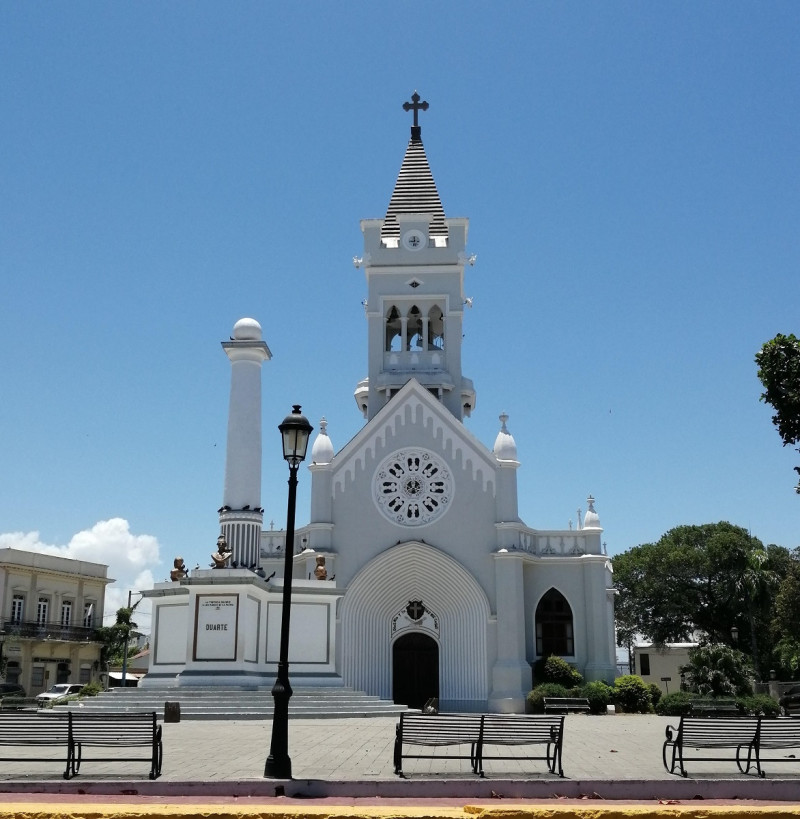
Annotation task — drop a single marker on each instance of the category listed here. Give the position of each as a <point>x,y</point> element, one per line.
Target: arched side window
<point>435,328</point>
<point>554,633</point>
<point>394,330</point>
<point>414,329</point>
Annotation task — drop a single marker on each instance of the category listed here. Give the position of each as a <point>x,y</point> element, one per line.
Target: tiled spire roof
<point>415,191</point>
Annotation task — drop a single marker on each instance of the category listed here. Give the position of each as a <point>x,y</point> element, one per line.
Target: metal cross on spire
<point>416,106</point>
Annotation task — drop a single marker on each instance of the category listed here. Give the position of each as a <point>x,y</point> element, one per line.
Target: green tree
<point>779,372</point>
<point>786,622</point>
<point>115,638</point>
<point>700,581</point>
<point>717,670</point>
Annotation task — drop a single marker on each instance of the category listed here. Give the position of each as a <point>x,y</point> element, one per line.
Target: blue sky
<point>632,178</point>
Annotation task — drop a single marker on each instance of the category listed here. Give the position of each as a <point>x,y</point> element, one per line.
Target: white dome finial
<point>505,447</point>
<point>322,449</point>
<point>592,519</point>
<point>247,329</point>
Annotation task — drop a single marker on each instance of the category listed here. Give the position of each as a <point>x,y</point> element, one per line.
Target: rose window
<point>413,487</point>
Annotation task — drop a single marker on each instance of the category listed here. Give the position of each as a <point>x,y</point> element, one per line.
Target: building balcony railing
<point>31,630</point>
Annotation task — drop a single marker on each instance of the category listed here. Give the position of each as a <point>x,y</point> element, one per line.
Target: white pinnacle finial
<point>505,447</point>
<point>322,450</point>
<point>592,519</point>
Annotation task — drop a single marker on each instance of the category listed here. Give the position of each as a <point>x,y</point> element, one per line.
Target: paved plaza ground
<point>612,757</point>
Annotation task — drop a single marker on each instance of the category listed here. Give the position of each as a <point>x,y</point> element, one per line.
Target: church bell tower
<point>414,262</point>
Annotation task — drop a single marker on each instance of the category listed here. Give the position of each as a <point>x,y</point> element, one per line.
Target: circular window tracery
<point>413,487</point>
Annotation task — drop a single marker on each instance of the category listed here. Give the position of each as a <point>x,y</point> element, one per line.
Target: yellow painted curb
<point>30,810</point>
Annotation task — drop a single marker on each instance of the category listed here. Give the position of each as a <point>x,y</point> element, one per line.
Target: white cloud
<point>131,560</point>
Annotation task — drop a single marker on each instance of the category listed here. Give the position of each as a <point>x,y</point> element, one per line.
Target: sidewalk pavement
<point>613,757</point>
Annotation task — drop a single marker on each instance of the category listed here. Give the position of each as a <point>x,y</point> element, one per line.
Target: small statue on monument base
<point>222,555</point>
<point>320,572</point>
<point>179,571</point>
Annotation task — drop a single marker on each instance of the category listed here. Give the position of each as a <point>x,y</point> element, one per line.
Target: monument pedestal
<point>222,627</point>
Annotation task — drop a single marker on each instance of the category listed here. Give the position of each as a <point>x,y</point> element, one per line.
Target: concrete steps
<point>239,702</point>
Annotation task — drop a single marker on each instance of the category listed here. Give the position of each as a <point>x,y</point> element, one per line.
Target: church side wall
<point>583,581</point>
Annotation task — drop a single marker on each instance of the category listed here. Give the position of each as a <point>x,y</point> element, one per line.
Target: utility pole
<point>127,637</point>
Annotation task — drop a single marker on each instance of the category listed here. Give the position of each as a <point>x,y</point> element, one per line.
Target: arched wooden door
<point>415,670</point>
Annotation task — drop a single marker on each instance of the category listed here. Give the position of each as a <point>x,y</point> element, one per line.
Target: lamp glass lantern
<point>295,432</point>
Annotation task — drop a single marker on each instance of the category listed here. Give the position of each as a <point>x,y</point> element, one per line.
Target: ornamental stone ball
<point>247,329</point>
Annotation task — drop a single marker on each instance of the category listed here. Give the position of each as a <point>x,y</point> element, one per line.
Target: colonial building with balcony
<point>50,608</point>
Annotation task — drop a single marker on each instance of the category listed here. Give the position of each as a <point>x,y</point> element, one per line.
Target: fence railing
<point>30,629</point>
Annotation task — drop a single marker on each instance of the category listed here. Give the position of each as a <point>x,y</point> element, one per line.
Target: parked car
<point>790,701</point>
<point>11,690</point>
<point>58,692</point>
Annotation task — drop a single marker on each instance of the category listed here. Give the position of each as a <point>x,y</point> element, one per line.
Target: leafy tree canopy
<point>786,622</point>
<point>700,581</point>
<point>114,638</point>
<point>779,371</point>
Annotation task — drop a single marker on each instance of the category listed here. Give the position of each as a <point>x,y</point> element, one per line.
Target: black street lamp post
<point>295,431</point>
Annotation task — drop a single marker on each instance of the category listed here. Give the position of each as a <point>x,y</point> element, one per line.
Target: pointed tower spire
<point>415,191</point>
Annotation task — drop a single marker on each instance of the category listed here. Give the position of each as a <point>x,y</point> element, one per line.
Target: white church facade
<point>426,583</point>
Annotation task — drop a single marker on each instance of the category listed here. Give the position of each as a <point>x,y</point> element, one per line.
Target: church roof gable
<point>414,404</point>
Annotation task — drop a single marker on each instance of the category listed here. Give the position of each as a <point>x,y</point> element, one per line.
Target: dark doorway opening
<point>415,670</point>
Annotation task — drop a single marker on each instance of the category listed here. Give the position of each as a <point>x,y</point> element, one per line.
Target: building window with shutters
<point>66,613</point>
<point>41,611</point>
<point>88,614</point>
<point>17,608</point>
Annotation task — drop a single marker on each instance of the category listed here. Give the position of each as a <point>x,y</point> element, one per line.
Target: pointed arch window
<point>394,330</point>
<point>435,328</point>
<point>554,632</point>
<point>414,329</point>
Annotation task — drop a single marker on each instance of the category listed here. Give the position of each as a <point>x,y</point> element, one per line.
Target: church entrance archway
<point>415,669</point>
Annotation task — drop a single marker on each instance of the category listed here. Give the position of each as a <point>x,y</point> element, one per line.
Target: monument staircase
<point>239,702</point>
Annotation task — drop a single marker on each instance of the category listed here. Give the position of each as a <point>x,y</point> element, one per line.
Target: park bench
<point>562,705</point>
<point>736,734</point>
<point>18,704</point>
<point>478,731</point>
<point>715,708</point>
<point>436,730</point>
<point>25,728</point>
<point>775,733</point>
<point>128,729</point>
<point>510,729</point>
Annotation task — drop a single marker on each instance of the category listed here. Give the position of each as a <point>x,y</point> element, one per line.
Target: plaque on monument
<point>215,627</point>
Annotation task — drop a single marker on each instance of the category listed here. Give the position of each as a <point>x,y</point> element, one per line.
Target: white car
<point>58,692</point>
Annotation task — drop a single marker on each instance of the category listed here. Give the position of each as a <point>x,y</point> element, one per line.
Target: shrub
<point>758,704</point>
<point>631,694</point>
<point>676,704</point>
<point>556,670</point>
<point>534,702</point>
<point>655,693</point>
<point>91,689</point>
<point>599,695</point>
<point>718,670</point>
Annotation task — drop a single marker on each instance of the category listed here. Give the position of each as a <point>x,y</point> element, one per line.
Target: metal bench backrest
<point>440,729</point>
<point>126,728</point>
<point>711,732</point>
<point>508,729</point>
<point>20,728</point>
<point>779,733</point>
